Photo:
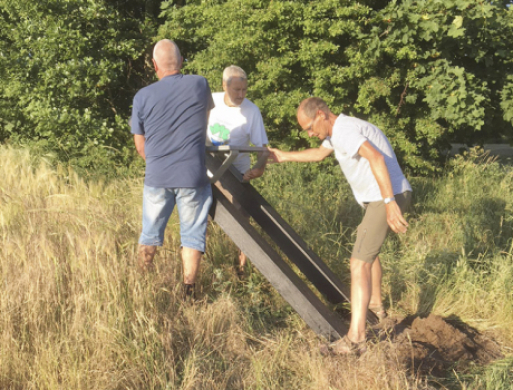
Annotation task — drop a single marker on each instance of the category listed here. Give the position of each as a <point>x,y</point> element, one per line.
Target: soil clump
<point>433,345</point>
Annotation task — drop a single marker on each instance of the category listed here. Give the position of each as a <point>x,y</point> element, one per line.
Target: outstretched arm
<point>379,168</point>
<point>307,155</point>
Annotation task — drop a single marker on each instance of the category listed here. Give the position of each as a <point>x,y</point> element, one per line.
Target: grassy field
<point>75,314</point>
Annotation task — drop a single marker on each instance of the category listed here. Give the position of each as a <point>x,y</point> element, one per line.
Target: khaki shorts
<point>374,228</point>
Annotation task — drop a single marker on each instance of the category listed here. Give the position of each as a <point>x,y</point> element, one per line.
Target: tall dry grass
<point>74,313</point>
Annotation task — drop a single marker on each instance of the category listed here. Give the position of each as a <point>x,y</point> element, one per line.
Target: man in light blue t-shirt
<point>378,184</point>
<point>169,122</point>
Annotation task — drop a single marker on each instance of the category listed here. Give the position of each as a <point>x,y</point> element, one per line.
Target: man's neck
<point>166,73</point>
<point>332,119</point>
<point>227,101</point>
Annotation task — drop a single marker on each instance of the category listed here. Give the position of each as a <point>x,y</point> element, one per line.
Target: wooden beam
<point>292,245</point>
<point>291,287</point>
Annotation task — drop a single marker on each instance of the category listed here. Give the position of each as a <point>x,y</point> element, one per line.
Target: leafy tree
<point>427,72</point>
<point>69,69</point>
<point>444,63</point>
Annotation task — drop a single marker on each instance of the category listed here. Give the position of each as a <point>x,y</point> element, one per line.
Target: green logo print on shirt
<point>220,134</point>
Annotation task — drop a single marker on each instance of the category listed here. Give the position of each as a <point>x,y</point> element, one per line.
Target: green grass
<point>76,315</point>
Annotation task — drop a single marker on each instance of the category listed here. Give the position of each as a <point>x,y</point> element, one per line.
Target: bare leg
<point>361,285</point>
<point>146,253</point>
<point>376,273</point>
<point>191,260</point>
<point>242,262</point>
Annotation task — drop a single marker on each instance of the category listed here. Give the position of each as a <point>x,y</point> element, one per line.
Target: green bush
<point>427,72</point>
<point>68,73</point>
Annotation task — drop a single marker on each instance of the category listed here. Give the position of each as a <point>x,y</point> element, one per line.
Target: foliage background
<point>427,72</point>
<point>68,72</point>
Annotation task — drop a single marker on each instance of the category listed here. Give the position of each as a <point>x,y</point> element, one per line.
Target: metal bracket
<point>231,153</point>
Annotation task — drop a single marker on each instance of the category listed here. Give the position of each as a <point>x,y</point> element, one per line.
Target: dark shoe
<point>240,272</point>
<point>380,312</point>
<point>344,346</point>
<point>145,258</point>
<point>189,294</point>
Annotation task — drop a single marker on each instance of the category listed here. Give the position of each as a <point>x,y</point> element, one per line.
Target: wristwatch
<point>388,200</point>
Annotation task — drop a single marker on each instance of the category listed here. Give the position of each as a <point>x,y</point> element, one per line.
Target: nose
<point>310,133</point>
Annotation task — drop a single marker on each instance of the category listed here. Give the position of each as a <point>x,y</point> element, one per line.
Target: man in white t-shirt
<point>238,122</point>
<point>378,184</point>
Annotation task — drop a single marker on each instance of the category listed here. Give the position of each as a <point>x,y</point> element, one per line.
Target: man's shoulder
<point>218,98</point>
<point>347,122</point>
<point>194,79</point>
<point>147,90</point>
<point>249,105</point>
<point>343,118</point>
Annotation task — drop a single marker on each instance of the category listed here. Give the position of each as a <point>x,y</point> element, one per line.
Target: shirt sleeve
<point>348,138</point>
<point>258,135</point>
<point>210,103</point>
<point>327,143</point>
<point>136,122</point>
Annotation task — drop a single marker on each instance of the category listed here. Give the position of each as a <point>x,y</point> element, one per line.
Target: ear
<point>225,86</point>
<point>155,64</point>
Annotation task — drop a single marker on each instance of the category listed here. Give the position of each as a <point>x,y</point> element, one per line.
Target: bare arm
<point>379,169</point>
<point>139,141</point>
<point>307,155</point>
<point>257,171</point>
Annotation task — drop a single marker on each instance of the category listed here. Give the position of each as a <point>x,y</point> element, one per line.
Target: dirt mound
<point>433,345</point>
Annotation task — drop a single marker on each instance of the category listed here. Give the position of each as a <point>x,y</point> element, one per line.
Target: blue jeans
<point>193,207</point>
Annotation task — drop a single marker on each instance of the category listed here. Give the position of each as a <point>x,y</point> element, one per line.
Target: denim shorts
<point>193,206</point>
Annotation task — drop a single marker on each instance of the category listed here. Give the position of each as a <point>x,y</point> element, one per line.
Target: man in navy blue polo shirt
<point>169,122</point>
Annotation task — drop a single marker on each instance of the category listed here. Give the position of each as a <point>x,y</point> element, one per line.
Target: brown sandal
<point>379,311</point>
<point>344,346</point>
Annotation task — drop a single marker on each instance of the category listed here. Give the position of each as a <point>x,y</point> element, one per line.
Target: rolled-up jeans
<point>193,206</point>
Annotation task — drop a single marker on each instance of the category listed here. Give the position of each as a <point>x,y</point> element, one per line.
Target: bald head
<point>167,57</point>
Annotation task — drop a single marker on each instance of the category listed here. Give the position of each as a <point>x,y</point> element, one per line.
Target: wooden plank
<point>292,245</point>
<point>313,311</point>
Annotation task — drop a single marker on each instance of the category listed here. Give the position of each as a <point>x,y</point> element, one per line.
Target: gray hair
<point>233,71</point>
<point>311,105</point>
<point>167,55</point>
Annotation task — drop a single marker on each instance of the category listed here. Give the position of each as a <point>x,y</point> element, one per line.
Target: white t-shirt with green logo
<point>236,126</point>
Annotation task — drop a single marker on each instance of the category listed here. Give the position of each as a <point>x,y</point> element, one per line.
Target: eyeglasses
<point>309,128</point>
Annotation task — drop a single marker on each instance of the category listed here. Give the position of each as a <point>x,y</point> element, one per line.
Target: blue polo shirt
<point>172,115</point>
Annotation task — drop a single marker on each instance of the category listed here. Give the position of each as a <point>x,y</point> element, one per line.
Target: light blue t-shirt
<point>172,115</point>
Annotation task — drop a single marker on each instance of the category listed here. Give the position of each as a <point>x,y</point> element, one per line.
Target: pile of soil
<point>433,345</point>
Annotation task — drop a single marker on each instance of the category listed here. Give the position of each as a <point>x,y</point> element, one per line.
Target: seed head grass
<point>75,314</point>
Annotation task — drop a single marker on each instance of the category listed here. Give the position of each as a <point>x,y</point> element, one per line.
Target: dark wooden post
<point>282,277</point>
<point>320,319</point>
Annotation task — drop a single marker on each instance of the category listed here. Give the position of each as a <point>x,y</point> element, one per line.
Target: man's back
<point>172,116</point>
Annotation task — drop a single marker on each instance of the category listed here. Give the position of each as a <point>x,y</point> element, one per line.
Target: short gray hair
<point>233,71</point>
<point>311,105</point>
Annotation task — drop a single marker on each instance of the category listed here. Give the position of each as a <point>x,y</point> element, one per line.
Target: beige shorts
<point>374,228</point>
